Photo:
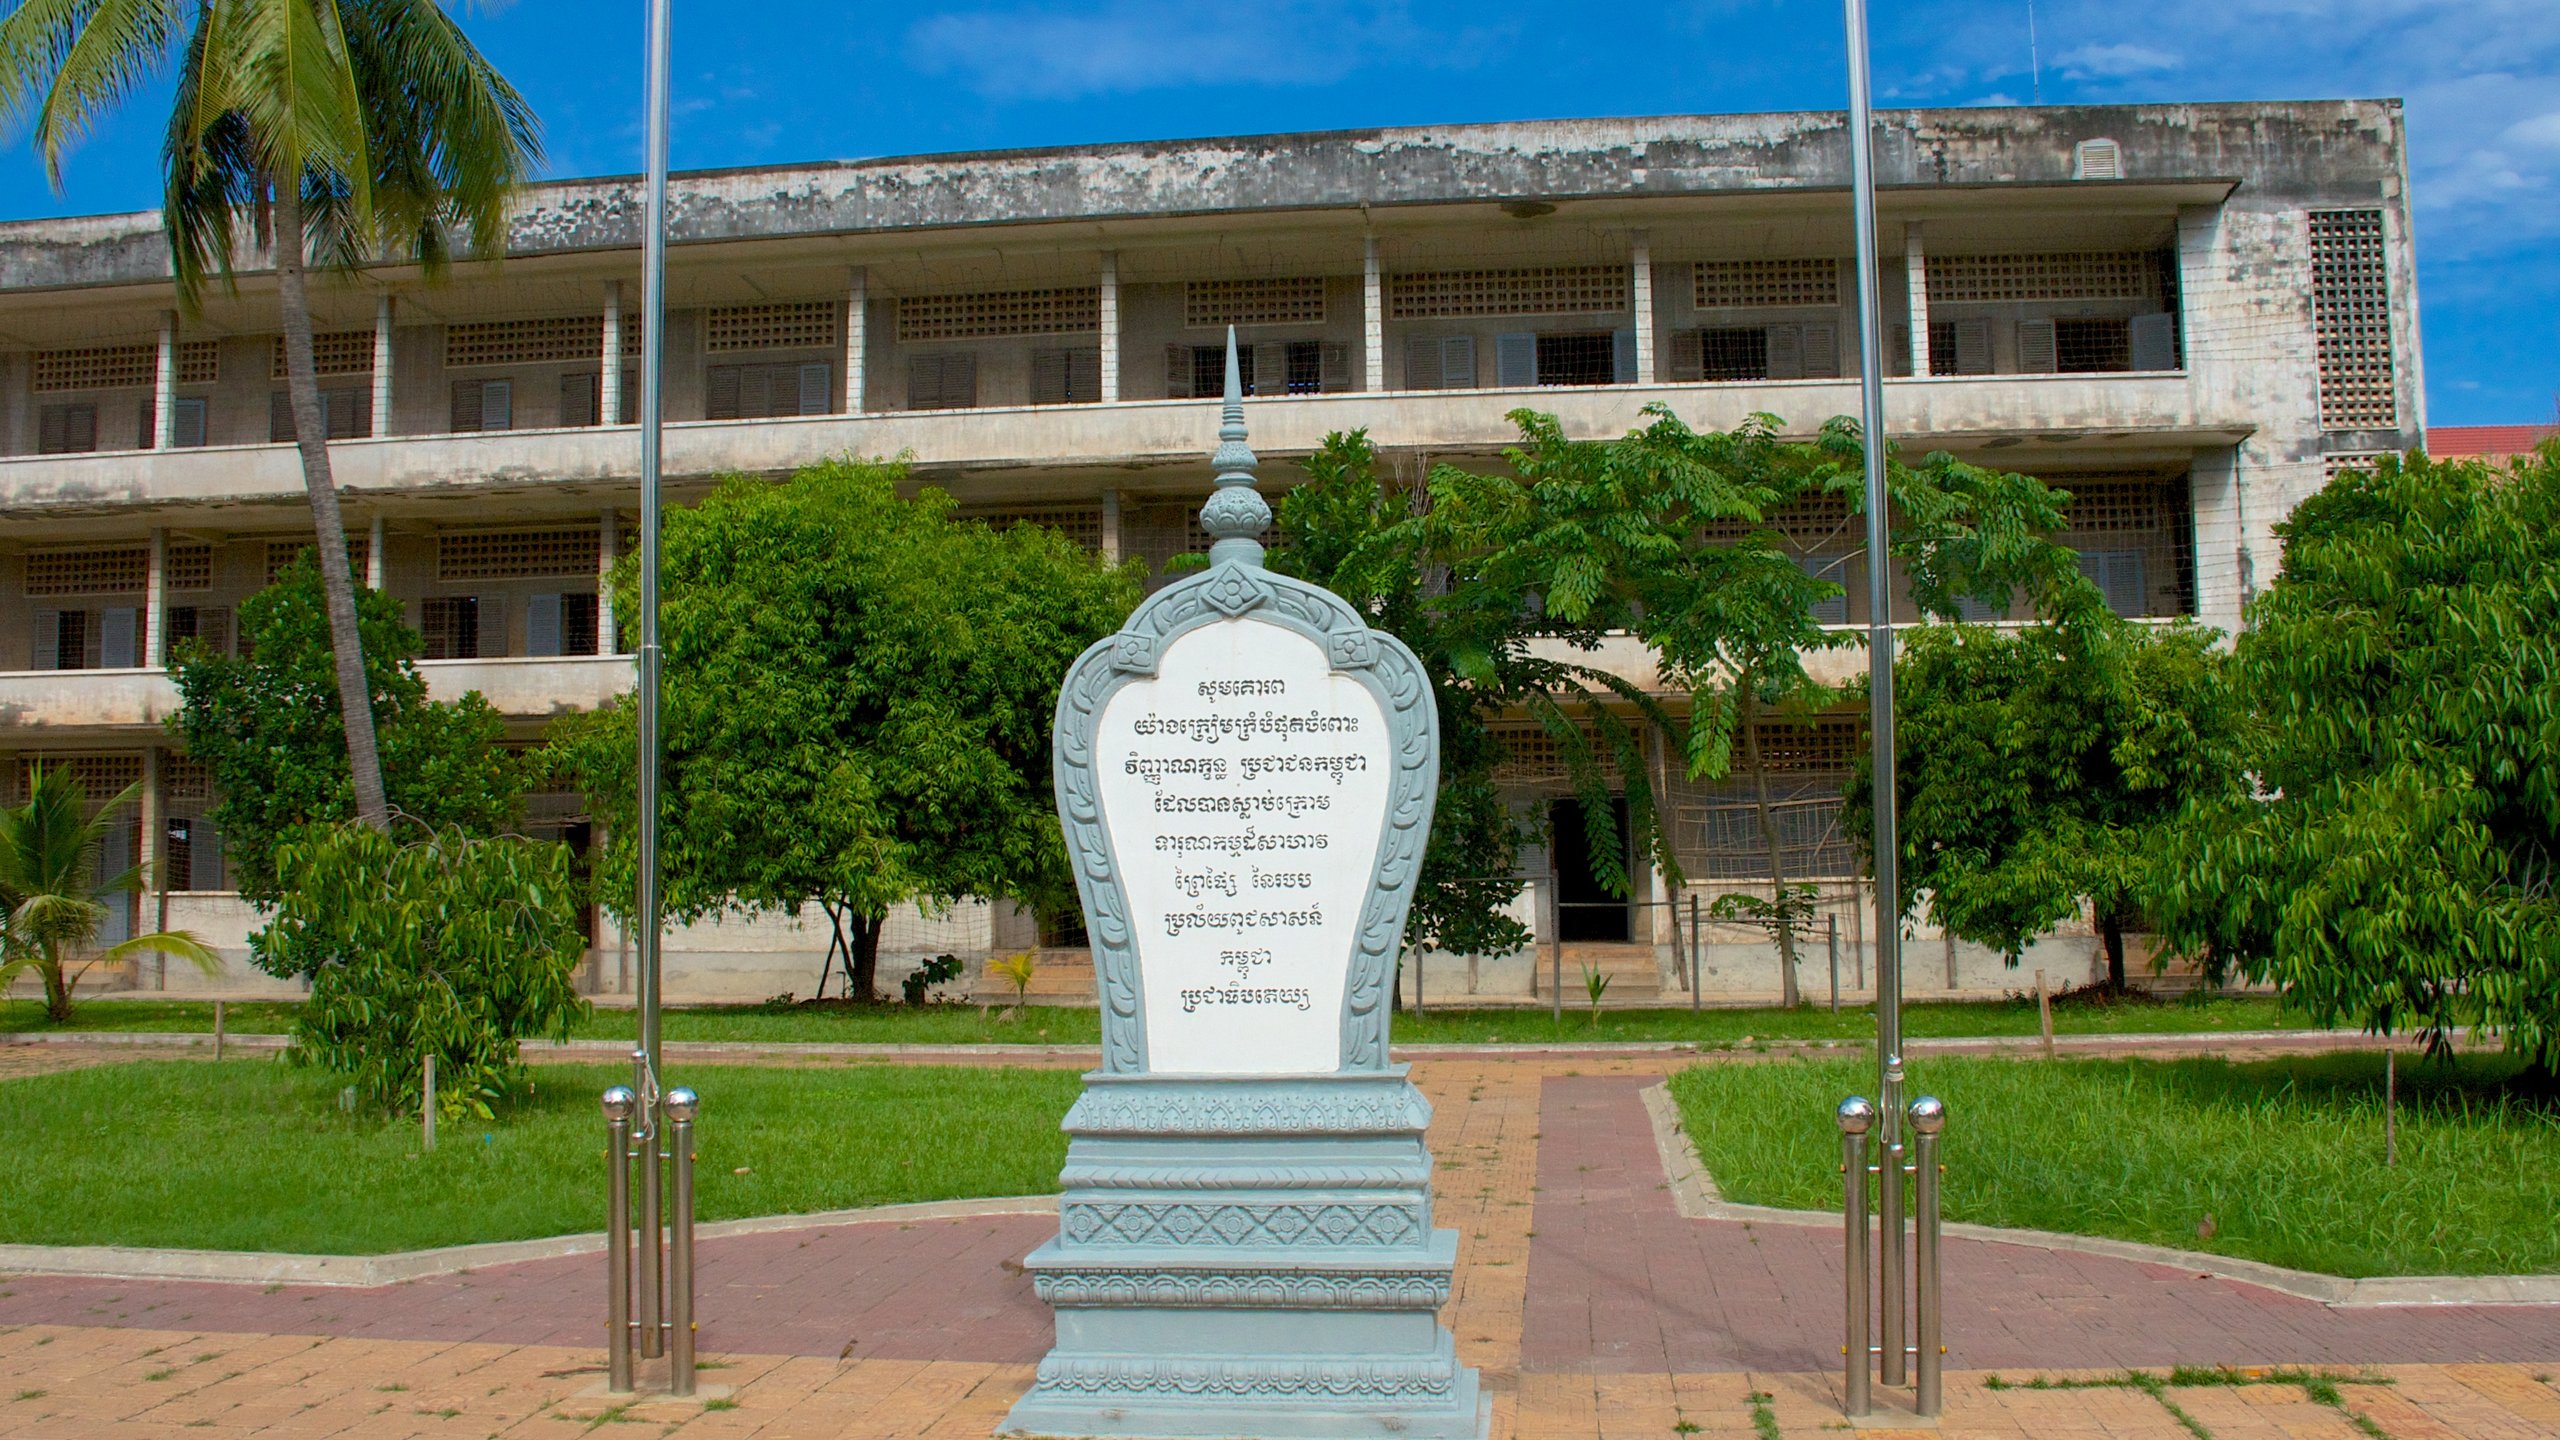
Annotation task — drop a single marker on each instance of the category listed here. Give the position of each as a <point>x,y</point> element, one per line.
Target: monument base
<point>1249,1256</point>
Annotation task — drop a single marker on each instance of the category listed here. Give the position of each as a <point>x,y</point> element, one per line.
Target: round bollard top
<point>1928,1115</point>
<point>1856,1115</point>
<point>619,1102</point>
<point>682,1105</point>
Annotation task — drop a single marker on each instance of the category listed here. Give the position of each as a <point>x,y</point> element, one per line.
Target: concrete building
<point>2187,315</point>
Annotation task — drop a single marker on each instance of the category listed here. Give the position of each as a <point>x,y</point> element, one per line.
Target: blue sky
<point>794,81</point>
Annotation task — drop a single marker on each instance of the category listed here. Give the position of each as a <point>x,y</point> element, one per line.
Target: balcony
<point>2162,410</point>
<point>73,703</point>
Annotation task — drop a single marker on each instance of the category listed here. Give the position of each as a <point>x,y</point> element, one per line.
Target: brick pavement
<point>1593,1308</point>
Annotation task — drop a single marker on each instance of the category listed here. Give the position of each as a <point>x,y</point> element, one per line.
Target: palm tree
<point>343,132</point>
<point>55,899</point>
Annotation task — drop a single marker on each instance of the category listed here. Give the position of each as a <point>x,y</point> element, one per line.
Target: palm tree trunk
<point>310,430</point>
<point>57,988</point>
<point>1789,994</point>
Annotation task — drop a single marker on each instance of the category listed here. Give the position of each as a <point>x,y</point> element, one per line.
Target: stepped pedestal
<point>1249,1256</point>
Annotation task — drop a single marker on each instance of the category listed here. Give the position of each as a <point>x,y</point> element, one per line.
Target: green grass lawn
<point>2284,1155</point>
<point>255,1155</point>
<point>1066,1025</point>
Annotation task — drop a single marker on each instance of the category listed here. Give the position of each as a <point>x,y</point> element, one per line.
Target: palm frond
<point>182,943</point>
<point>65,63</point>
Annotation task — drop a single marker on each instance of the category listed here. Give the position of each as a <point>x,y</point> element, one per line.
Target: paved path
<point>1593,1308</point>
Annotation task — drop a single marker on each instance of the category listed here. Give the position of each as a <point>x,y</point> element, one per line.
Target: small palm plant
<point>1016,970</point>
<point>1594,984</point>
<point>57,901</point>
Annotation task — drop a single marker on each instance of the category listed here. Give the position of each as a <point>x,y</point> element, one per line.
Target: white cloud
<point>1038,53</point>
<point>2116,61</point>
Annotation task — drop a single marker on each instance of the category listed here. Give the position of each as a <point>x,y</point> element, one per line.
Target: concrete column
<point>382,365</point>
<point>857,338</point>
<point>608,551</point>
<point>155,599</point>
<point>1111,525</point>
<point>1915,271</point>
<point>1373,322</point>
<point>1110,326</point>
<point>1640,265</point>
<point>147,854</point>
<point>609,361</point>
<point>164,385</point>
<point>374,565</point>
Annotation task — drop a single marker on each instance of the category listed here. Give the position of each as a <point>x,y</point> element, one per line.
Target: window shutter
<point>1177,372</point>
<point>48,646</point>
<point>1515,362</point>
<point>1421,363</point>
<point>187,425</point>
<point>630,407</point>
<point>84,428</point>
<point>2118,576</point>
<point>1271,369</point>
<point>52,430</point>
<point>1786,352</point>
<point>466,408</point>
<point>142,431</point>
<point>1973,347</point>
<point>497,405</point>
<point>1688,355</point>
<point>1897,360</point>
<point>578,398</point>
<point>721,395</point>
<point>1622,355</point>
<point>115,856</point>
<point>1974,612</point>
<point>116,627</point>
<point>1049,377</point>
<point>1834,568</point>
<point>2155,342</point>
<point>960,380</point>
<point>1458,363</point>
<point>342,413</point>
<point>489,619</point>
<point>542,625</point>
<point>1822,351</point>
<point>2037,354</point>
<point>1084,375</point>
<point>817,388</point>
<point>204,855</point>
<point>1333,367</point>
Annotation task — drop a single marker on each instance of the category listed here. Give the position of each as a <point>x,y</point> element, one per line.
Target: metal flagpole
<point>1862,181</point>
<point>653,313</point>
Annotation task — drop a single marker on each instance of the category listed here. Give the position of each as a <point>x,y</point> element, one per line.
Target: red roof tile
<point>2446,442</point>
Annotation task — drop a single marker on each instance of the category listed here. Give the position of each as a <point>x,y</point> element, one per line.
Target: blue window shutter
<point>1622,355</point>
<point>116,632</point>
<point>1515,361</point>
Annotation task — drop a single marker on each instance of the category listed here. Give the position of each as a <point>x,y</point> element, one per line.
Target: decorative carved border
<point>1249,1104</point>
<point>1247,1379</point>
<point>1228,591</point>
<point>1250,1289</point>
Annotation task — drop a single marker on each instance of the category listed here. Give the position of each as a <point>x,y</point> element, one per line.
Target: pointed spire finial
<point>1236,514</point>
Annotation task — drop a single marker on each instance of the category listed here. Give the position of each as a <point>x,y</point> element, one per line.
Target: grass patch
<point>2284,1156</point>
<point>257,1156</point>
<point>1081,1025</point>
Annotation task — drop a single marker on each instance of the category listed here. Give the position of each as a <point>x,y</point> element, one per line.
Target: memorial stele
<point>1245,774</point>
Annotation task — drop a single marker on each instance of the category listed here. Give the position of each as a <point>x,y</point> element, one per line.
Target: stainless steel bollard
<point>1889,1236</point>
<point>1928,1117</point>
<point>1831,932</point>
<point>681,1107</point>
<point>619,1102</point>
<point>1855,1116</point>
<point>1697,957</point>
<point>653,1237</point>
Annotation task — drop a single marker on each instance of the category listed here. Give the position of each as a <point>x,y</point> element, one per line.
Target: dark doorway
<point>1586,909</point>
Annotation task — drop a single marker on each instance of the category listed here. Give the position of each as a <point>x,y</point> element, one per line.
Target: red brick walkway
<point>1620,1283</point>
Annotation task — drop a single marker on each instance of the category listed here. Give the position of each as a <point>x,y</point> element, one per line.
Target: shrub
<point>442,945</point>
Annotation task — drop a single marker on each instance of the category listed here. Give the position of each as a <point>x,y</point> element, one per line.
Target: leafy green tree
<point>1669,533</point>
<point>56,901</point>
<point>2392,866</point>
<point>2040,771</point>
<point>856,704</point>
<point>435,944</point>
<point>1348,530</point>
<point>267,731</point>
<point>349,130</point>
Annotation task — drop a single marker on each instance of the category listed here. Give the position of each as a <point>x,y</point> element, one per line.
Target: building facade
<point>2188,316</point>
